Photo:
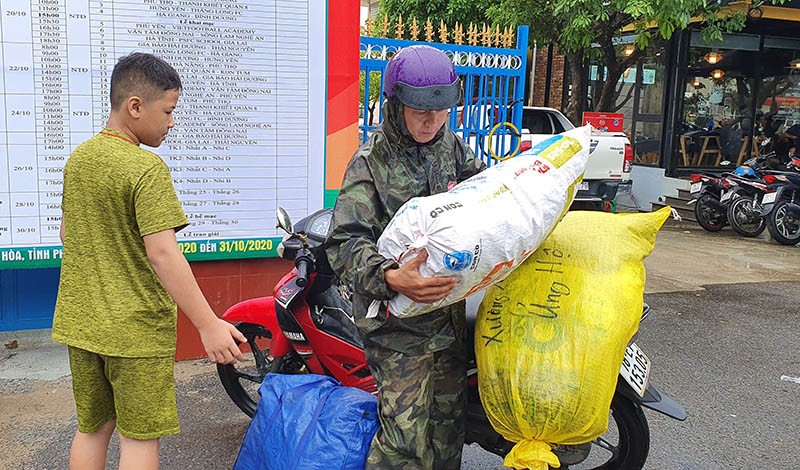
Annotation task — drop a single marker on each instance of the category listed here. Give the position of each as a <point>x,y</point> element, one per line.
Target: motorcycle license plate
<point>635,368</point>
<point>583,186</point>
<point>725,196</point>
<point>696,187</point>
<point>769,198</point>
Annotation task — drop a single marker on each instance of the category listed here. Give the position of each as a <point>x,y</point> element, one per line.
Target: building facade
<point>691,104</point>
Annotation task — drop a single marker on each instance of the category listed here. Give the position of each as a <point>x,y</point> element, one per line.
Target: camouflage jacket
<point>388,170</point>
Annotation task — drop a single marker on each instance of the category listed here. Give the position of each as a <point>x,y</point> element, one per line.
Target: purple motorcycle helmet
<point>422,77</point>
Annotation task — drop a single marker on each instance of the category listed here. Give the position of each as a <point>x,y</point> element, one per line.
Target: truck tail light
<point>628,163</point>
<point>525,145</point>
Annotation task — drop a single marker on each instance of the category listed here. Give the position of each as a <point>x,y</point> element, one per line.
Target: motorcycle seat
<point>331,314</point>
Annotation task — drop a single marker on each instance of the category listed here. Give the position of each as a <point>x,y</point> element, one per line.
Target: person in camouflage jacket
<point>419,363</point>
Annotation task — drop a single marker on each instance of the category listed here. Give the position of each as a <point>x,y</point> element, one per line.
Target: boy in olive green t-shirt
<point>123,274</point>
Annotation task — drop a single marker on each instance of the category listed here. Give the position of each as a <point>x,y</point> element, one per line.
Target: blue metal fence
<point>493,82</point>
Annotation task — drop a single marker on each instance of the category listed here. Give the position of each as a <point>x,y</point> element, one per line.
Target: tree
<point>449,11</point>
<point>374,93</point>
<point>584,29</point>
<point>590,28</point>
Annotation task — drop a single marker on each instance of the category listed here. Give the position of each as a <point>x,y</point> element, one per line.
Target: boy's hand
<point>218,340</point>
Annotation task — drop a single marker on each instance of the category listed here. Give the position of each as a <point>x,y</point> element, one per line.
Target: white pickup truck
<point>608,170</point>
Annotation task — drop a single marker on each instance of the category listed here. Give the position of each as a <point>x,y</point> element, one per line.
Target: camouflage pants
<point>421,402</point>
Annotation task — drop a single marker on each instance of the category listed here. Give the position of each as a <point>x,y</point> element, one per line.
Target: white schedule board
<point>249,130</point>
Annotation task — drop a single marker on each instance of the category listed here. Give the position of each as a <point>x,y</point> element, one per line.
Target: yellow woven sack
<point>550,338</point>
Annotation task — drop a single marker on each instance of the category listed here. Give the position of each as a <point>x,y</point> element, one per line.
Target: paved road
<point>721,353</point>
<point>720,350</point>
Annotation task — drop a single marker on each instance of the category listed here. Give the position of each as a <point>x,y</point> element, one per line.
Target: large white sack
<point>487,225</point>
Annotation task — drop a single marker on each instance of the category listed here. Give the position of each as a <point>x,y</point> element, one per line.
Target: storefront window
<point>718,102</point>
<point>639,97</point>
<point>652,90</point>
<point>624,92</point>
<point>648,120</point>
<point>717,120</point>
<point>740,98</point>
<point>648,142</point>
<point>778,102</point>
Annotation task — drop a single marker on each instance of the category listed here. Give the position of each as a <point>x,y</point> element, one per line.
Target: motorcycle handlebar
<point>305,265</point>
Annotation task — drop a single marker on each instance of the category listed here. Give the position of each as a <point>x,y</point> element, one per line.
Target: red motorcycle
<point>306,326</point>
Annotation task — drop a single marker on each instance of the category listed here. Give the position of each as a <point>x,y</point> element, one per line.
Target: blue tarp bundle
<point>309,421</point>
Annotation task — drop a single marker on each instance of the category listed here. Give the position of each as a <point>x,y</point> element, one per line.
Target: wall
<point>29,295</point>
<point>224,283</point>
<point>556,78</point>
<point>649,184</point>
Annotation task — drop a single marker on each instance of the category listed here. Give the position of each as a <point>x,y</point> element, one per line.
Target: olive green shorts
<point>138,392</point>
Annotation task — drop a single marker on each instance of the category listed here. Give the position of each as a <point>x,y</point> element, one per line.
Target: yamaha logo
<point>294,336</point>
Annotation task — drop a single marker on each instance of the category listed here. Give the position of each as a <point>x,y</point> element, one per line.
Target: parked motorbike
<point>781,205</point>
<point>706,191</point>
<point>743,193</point>
<point>752,191</point>
<point>306,326</point>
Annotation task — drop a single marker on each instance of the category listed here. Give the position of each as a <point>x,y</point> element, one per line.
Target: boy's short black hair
<point>143,75</point>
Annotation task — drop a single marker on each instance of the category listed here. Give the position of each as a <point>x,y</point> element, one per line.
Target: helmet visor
<point>428,98</point>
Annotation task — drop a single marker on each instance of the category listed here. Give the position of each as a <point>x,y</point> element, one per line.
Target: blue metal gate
<point>493,82</point>
<point>27,298</point>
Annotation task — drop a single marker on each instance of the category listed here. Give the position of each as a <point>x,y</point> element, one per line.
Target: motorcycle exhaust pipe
<point>716,205</point>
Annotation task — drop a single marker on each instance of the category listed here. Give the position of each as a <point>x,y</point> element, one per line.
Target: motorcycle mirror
<point>284,222</point>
